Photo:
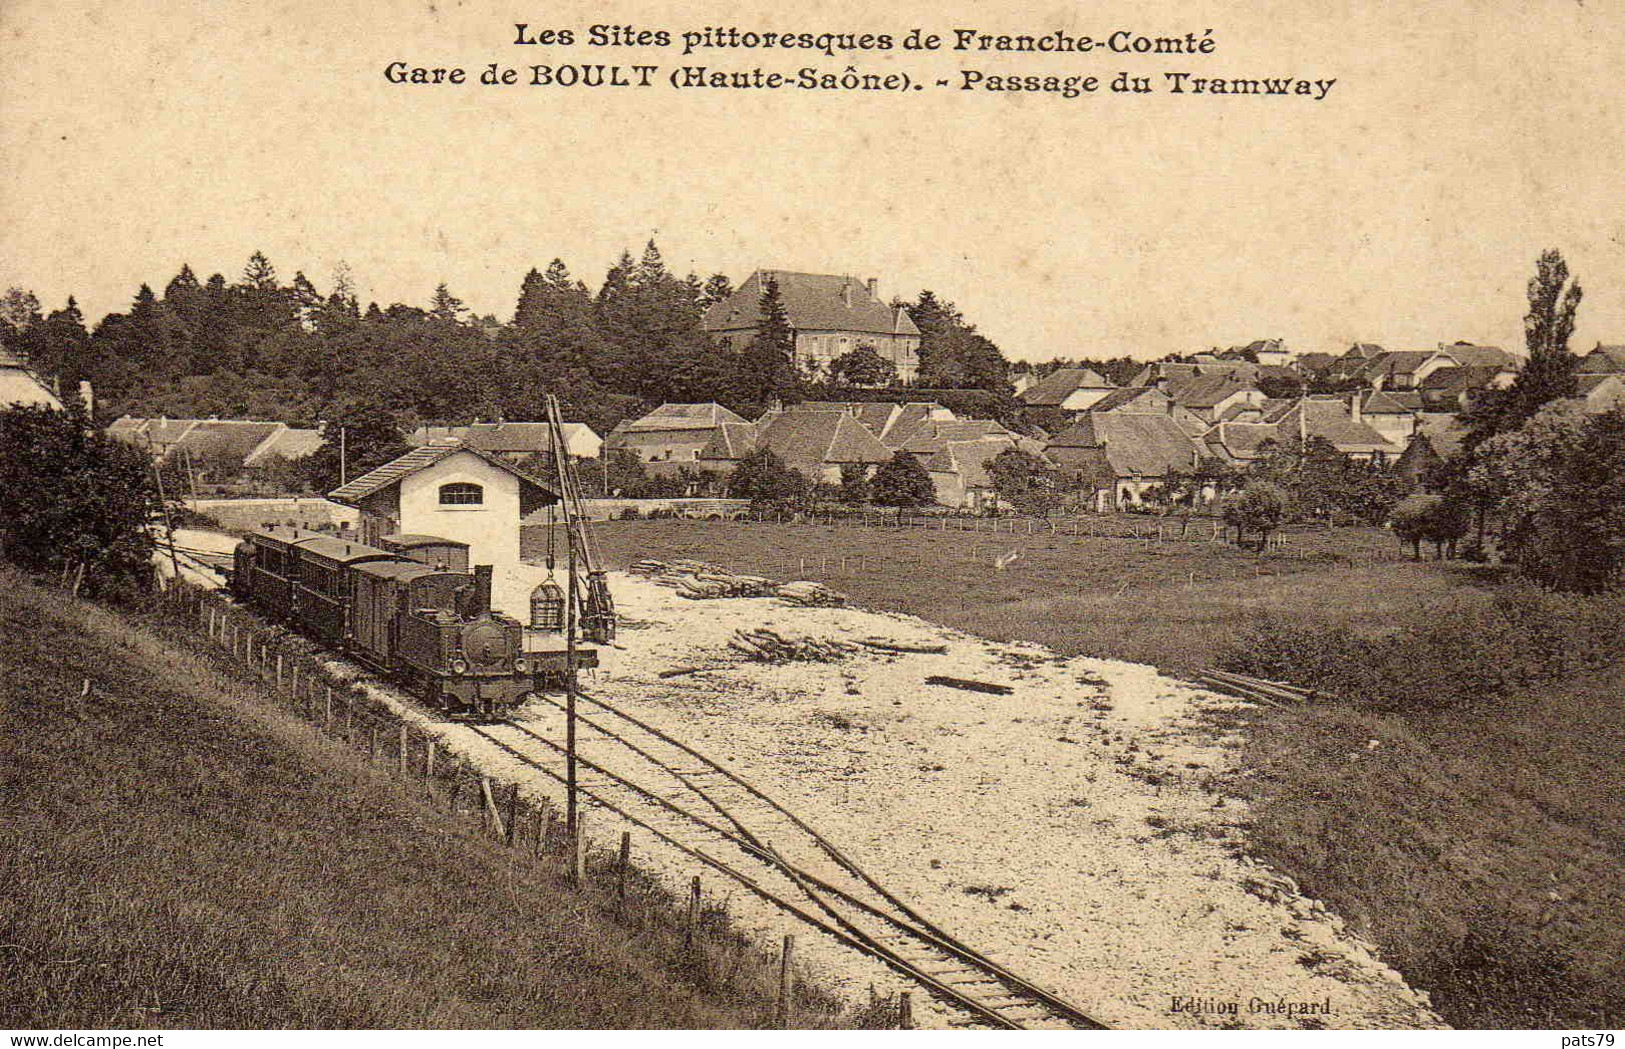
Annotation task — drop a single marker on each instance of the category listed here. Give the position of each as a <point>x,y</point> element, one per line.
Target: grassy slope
<point>1483,849</point>
<point>176,854</point>
<point>1445,845</point>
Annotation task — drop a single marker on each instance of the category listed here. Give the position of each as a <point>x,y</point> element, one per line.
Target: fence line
<point>532,829</point>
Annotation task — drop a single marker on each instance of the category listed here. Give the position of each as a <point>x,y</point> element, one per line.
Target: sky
<point>1406,208</point>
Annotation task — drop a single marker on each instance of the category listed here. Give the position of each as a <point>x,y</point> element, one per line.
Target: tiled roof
<point>1134,445</point>
<point>1392,402</point>
<point>909,417</point>
<point>1397,362</point>
<point>1205,391</point>
<point>1311,363</point>
<point>1331,420</point>
<point>1443,431</point>
<point>876,415</point>
<point>1603,360</point>
<point>931,437</point>
<point>1148,398</point>
<point>1460,380</point>
<point>435,435</point>
<point>1062,383</point>
<point>813,302</point>
<point>225,439</point>
<point>392,472</point>
<point>684,417</point>
<point>969,459</point>
<point>731,441</point>
<point>1467,353</point>
<point>287,443</point>
<point>808,441</point>
<point>1240,441</point>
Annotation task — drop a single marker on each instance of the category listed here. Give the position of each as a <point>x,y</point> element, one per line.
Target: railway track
<point>705,810</point>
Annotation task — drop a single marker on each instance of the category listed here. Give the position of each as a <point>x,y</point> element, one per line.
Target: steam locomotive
<point>408,608</point>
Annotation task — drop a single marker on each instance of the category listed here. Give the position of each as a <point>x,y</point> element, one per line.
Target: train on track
<point>409,608</point>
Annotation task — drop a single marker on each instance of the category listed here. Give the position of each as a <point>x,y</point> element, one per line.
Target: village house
<point>1118,457</point>
<point>517,441</point>
<point>1391,413</point>
<point>1260,351</point>
<point>672,436</point>
<point>1473,355</point>
<point>932,437</point>
<point>1601,393</point>
<point>1148,400</point>
<point>1351,362</point>
<point>451,491</point>
<point>1310,365</point>
<point>20,386</point>
<point>1604,360</point>
<point>816,443</point>
<point>959,473</point>
<point>1402,369</point>
<point>1337,423</point>
<point>218,449</point>
<point>830,315</point>
<point>1068,390</point>
<point>1450,389</point>
<point>1208,397</point>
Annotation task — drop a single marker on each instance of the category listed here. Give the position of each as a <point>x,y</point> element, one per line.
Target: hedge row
<point>1523,636</point>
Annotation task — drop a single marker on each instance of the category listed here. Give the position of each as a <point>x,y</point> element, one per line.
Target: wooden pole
<point>784,981</point>
<point>621,866</point>
<point>404,742</point>
<point>513,812</point>
<point>372,744</point>
<point>492,813</point>
<point>578,850</point>
<point>692,930</point>
<point>327,710</point>
<point>905,1012</point>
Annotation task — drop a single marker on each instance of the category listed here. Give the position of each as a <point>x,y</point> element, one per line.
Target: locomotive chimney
<point>482,589</point>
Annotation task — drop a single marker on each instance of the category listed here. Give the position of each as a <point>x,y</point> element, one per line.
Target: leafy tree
<point>855,489</point>
<point>19,308</point>
<point>365,435</point>
<point>1560,481</point>
<point>1026,481</point>
<point>1410,519</point>
<point>863,366</point>
<point>765,480</point>
<point>718,288</point>
<point>1260,507</point>
<point>902,481</point>
<point>74,496</point>
<point>767,367</point>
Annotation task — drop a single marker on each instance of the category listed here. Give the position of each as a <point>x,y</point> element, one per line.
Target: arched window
<point>461,494</point>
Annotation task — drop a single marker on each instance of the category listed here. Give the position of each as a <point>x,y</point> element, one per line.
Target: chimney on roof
<point>873,284</point>
<point>846,294</point>
<point>1354,407</point>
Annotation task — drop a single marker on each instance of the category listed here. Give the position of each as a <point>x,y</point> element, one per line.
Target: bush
<point>1524,637</point>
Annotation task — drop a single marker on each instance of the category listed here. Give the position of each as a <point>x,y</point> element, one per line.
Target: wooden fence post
<point>905,1012</point>
<point>279,670</point>
<point>691,932</point>
<point>428,769</point>
<point>327,710</point>
<point>620,869</point>
<point>578,850</point>
<point>403,751</point>
<point>372,743</point>
<point>513,812</point>
<point>784,981</point>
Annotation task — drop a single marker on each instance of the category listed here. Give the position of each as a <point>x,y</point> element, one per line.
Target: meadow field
<point>1174,604</point>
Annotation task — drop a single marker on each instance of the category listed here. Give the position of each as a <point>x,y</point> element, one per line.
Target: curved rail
<point>971,983</point>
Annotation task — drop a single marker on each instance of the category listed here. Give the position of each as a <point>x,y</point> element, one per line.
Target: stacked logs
<point>714,585</point>
<point>765,646</point>
<point>811,595</point>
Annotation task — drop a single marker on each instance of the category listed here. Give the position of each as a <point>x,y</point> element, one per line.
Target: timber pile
<point>700,581</point>
<point>1269,693</point>
<point>765,646</point>
<point>811,595</point>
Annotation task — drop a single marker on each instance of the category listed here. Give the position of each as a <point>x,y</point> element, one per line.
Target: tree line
<point>262,347</point>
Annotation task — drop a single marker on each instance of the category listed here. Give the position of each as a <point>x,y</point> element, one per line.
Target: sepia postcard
<point>811,516</point>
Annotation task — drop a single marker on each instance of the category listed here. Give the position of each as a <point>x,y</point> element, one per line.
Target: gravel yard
<point>1070,829</point>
